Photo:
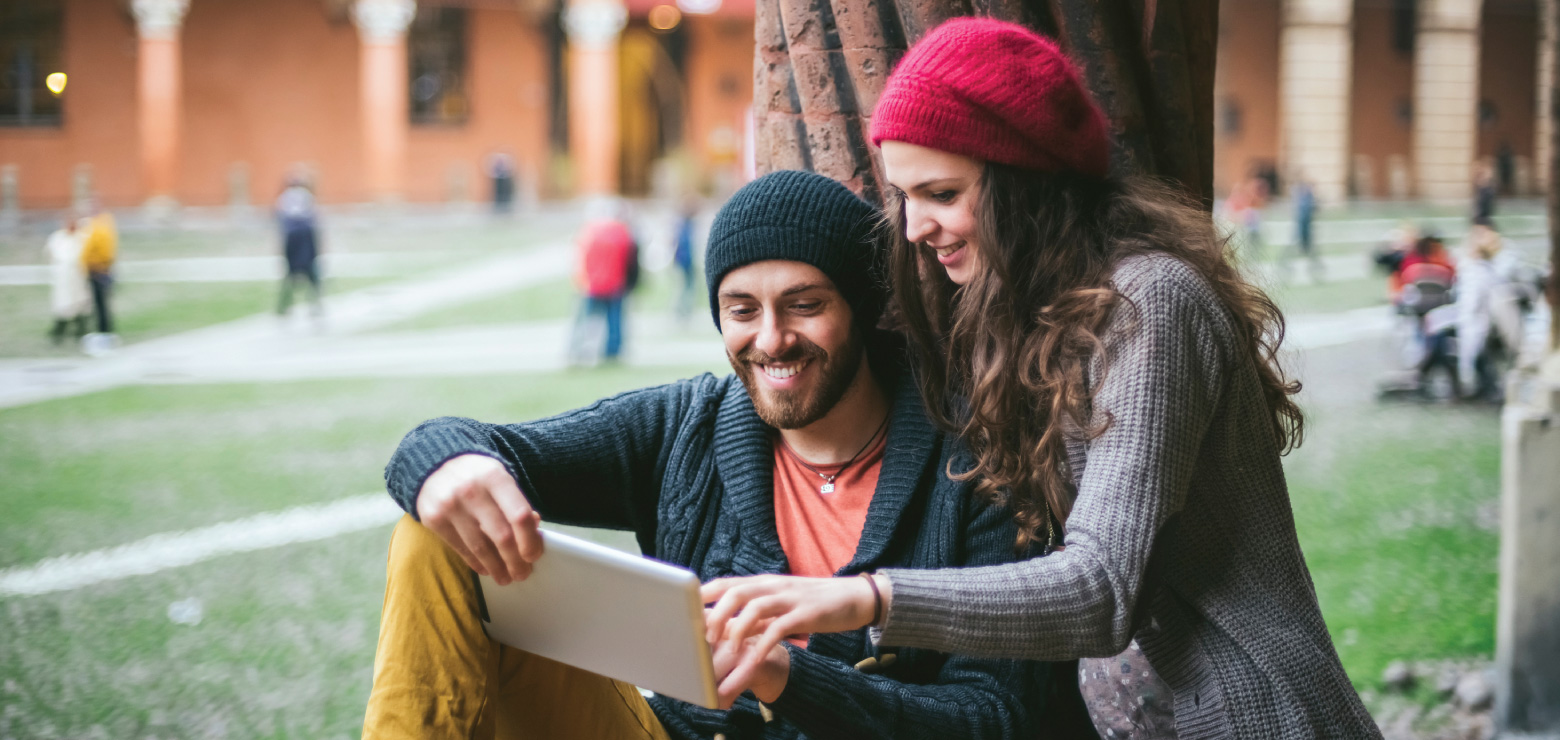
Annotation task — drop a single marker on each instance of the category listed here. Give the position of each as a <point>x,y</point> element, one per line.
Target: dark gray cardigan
<point>689,468</point>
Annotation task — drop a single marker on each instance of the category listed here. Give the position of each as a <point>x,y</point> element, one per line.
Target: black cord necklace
<point>828,480</point>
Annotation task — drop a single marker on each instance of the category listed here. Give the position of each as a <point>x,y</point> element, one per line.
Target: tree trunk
<point>821,65</point>
<point>1552,290</point>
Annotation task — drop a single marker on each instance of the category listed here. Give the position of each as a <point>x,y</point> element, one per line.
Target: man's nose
<point>774,337</point>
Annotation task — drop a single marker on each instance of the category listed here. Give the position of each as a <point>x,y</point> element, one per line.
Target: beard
<point>794,409</point>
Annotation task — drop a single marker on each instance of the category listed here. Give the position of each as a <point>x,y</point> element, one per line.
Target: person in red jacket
<point>609,262</point>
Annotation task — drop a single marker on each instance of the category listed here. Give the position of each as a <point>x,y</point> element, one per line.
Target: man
<point>815,457</point>
<point>609,270</point>
<point>98,251</point>
<point>295,212</point>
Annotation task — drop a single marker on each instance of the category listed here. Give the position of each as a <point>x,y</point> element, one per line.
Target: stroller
<point>1427,334</point>
<point>1430,345</point>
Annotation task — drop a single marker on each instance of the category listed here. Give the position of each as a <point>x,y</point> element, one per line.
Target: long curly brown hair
<point>1003,361</point>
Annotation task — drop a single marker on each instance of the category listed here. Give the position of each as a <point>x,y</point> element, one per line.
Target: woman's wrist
<point>882,595</point>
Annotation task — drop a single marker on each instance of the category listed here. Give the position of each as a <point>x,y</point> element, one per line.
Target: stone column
<point>159,93</point>
<point>10,200</point>
<point>1446,99</point>
<point>1527,624</point>
<point>594,144</point>
<point>1316,63</point>
<point>382,92</point>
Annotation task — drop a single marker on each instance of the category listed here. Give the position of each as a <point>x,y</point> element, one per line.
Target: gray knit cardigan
<point>1181,536</point>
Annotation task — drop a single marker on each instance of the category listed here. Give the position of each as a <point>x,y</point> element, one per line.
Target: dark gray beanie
<point>801,216</point>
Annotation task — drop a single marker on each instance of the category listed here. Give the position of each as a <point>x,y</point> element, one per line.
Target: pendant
<point>826,488</point>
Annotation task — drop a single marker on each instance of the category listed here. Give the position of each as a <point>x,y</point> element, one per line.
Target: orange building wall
<point>720,89</point>
<point>1383,78</point>
<point>271,85</point>
<point>99,112</point>
<point>507,85</point>
<point>1508,59</point>
<point>1248,74</point>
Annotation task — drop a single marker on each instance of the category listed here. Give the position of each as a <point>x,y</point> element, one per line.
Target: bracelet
<point>877,600</point>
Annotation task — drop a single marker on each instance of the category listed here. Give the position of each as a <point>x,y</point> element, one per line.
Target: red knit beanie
<point>994,91</point>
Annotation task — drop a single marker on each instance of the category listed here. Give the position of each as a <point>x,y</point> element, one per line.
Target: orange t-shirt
<point>818,531</point>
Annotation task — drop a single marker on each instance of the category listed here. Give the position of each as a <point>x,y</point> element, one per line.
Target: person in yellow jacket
<point>98,251</point>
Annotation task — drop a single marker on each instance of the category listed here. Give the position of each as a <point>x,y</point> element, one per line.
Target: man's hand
<point>475,506</point>
<point>766,676</point>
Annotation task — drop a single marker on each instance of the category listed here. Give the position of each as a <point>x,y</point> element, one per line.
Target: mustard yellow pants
<point>438,675</point>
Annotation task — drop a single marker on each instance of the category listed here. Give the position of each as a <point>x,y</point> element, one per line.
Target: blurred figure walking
<point>1243,209</point>
<point>1304,195</point>
<point>1488,301</point>
<point>70,300</point>
<point>682,257</point>
<point>501,177</point>
<point>609,264</point>
<point>1484,193</point>
<point>99,250</point>
<point>295,212</point>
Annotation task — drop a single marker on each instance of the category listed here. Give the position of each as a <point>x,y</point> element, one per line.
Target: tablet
<point>608,612</point>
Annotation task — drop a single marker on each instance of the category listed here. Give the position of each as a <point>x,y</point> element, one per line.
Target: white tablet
<point>608,612</point>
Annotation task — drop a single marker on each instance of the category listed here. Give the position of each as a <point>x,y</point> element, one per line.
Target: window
<point>32,78</point>
<point>1405,26</point>
<point>436,53</point>
<point>1231,118</point>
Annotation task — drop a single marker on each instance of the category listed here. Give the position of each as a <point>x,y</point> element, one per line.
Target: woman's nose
<point>918,227</point>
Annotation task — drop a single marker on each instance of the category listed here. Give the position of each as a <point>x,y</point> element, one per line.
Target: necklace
<point>828,480</point>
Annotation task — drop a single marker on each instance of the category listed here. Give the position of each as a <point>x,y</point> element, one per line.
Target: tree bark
<point>1552,290</point>
<point>821,64</point>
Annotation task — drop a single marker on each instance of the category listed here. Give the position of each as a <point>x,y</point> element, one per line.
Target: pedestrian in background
<point>501,176</point>
<point>100,248</point>
<point>1484,192</point>
<point>70,300</point>
<point>1305,216</point>
<point>682,257</point>
<point>608,269</point>
<point>295,212</point>
<point>1243,209</point>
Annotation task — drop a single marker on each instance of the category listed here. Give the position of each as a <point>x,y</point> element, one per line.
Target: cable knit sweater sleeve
<point>1163,370</point>
<point>595,466</point>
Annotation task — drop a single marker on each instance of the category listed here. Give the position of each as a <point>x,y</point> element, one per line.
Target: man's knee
<point>417,550</point>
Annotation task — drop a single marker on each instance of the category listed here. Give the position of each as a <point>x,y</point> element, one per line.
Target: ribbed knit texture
<point>994,91</point>
<point>689,468</point>
<point>805,217</point>
<point>1189,474</point>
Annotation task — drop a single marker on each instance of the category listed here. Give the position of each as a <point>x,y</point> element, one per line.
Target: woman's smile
<point>951,254</point>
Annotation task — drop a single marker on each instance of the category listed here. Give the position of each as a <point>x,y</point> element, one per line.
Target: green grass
<point>1330,296</point>
<point>143,311</point>
<point>286,644</point>
<point>1397,511</point>
<point>284,649</point>
<point>107,468</point>
<point>553,300</point>
<point>261,239</point>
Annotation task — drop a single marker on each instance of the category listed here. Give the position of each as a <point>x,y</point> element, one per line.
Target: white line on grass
<point>175,549</point>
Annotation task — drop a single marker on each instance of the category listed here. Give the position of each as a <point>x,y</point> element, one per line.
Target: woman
<point>1115,382</point>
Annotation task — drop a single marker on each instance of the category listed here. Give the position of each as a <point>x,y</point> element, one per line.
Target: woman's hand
<point>772,669</point>
<point>757,612</point>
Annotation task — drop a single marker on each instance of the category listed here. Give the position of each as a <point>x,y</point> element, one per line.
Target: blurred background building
<point>216,102</point>
<point>212,102</point>
<point>1382,98</point>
